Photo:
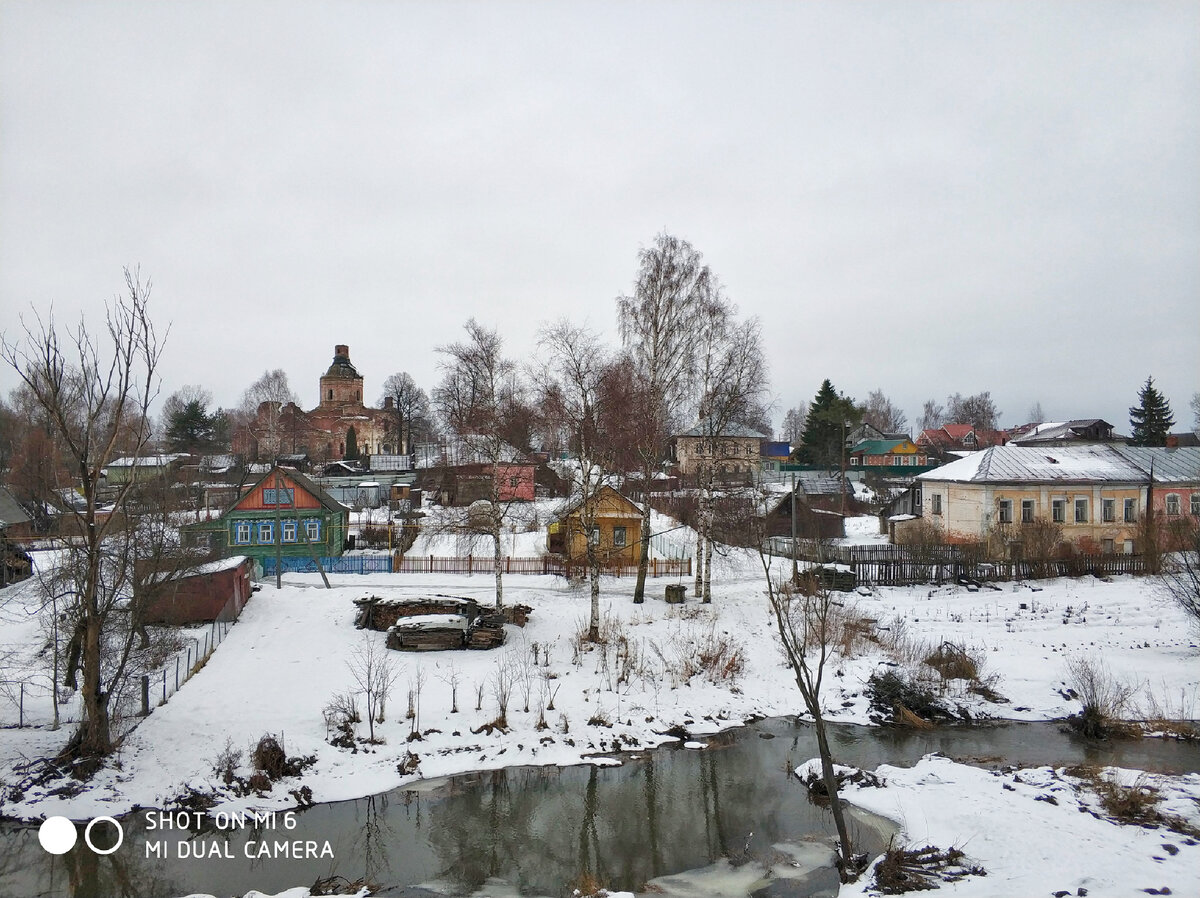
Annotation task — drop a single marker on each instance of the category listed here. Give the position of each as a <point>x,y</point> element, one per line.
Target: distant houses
<point>1098,494</point>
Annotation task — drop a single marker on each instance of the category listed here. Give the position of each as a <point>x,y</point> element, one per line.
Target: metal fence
<point>340,564</point>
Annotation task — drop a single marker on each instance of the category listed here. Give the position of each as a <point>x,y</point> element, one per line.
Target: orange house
<point>617,530</point>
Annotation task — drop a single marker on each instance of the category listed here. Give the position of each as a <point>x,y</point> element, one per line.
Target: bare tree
<point>933,415</point>
<point>658,324</point>
<point>479,392</point>
<point>96,389</point>
<point>806,619</point>
<point>571,384</point>
<point>262,408</point>
<point>1036,415</point>
<point>1181,570</point>
<point>793,424</point>
<point>1195,406</point>
<point>410,406</point>
<point>881,413</point>
<point>979,410</point>
<point>375,673</point>
<point>732,378</point>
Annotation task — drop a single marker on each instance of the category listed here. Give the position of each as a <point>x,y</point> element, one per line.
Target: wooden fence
<point>546,564</point>
<point>892,565</point>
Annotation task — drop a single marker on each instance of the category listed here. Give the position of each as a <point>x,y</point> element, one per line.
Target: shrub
<point>952,662</point>
<point>1103,696</point>
<point>227,762</point>
<point>918,869</point>
<point>904,700</point>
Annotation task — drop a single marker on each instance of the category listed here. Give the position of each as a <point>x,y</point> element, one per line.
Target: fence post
<point>469,562</point>
<point>21,712</point>
<point>164,685</point>
<point>145,695</point>
<point>176,673</point>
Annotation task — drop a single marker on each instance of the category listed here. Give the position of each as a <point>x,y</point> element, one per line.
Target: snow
<point>287,656</point>
<point>1037,831</point>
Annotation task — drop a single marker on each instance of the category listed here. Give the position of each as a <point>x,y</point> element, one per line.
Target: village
<point>336,603</point>
<point>599,450</point>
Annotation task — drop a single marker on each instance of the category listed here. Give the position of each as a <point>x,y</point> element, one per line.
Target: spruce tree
<point>191,428</point>
<point>825,427</point>
<point>1151,419</point>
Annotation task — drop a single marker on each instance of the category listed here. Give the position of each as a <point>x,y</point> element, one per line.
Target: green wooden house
<point>283,512</point>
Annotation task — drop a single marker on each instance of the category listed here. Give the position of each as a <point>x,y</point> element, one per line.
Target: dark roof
<point>11,511</point>
<point>342,367</point>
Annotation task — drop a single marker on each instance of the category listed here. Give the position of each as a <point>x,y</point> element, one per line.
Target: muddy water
<point>725,811</point>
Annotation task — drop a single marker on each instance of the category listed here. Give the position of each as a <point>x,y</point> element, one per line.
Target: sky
<point>923,198</point>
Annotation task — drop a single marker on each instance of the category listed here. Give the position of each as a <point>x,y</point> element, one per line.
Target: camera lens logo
<point>58,835</point>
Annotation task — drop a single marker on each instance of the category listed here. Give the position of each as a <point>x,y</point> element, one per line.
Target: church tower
<point>341,385</point>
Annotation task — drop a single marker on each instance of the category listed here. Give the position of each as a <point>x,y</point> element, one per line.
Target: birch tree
<point>732,378</point>
<point>479,390</point>
<point>572,388</point>
<point>659,323</point>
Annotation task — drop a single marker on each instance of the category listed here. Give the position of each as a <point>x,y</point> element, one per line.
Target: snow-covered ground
<point>287,656</point>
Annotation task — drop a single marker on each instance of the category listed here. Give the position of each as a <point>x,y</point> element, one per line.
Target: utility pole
<point>278,535</point>
<point>795,571</point>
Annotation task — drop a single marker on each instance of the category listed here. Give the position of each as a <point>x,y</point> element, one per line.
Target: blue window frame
<point>241,533</point>
<point>288,529</point>
<point>312,529</point>
<point>266,533</point>
<point>271,496</point>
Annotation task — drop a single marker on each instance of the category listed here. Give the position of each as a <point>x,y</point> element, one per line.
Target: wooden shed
<point>617,532</point>
<point>217,590</point>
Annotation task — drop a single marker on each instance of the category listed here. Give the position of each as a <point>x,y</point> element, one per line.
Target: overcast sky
<point>924,197</point>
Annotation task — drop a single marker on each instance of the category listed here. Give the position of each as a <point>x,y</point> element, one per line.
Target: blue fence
<point>343,564</point>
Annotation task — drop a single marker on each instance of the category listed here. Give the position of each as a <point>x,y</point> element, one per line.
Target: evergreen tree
<point>190,428</point>
<point>830,416</point>
<point>351,443</point>
<point>1151,419</point>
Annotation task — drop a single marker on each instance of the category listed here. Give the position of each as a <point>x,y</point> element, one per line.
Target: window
<point>289,531</point>
<point>935,502</point>
<point>272,496</point>
<point>514,482</point>
<point>1130,510</point>
<point>241,533</point>
<point>312,530</point>
<point>854,461</point>
<point>1107,546</point>
<point>1172,503</point>
<point>1058,511</point>
<point>618,536</point>
<point>1027,509</point>
<point>1006,508</point>
<point>1081,511</point>
<point>1128,547</point>
<point>1108,510</point>
<point>1196,504</point>
<point>266,533</point>
<point>594,538</point>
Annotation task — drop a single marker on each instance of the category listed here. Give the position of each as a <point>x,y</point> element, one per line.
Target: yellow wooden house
<point>617,530</point>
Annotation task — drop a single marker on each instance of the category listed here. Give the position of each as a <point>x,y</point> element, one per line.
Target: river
<point>538,830</point>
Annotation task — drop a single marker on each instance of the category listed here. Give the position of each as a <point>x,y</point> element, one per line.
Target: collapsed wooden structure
<point>437,623</point>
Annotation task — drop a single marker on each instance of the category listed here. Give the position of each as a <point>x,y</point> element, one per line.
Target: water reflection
<point>540,830</point>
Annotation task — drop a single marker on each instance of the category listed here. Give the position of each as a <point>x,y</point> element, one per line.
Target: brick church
<point>340,427</point>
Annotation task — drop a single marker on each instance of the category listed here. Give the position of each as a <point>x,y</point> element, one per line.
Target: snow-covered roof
<point>11,511</point>
<point>146,461</point>
<point>742,431</point>
<point>1025,464</point>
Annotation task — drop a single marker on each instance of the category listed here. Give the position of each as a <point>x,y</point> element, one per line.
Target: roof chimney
<point>342,350</point>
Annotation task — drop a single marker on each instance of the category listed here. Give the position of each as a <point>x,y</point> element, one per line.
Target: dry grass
<point>585,885</point>
<point>1104,698</point>
<point>1135,805</point>
<point>953,662</point>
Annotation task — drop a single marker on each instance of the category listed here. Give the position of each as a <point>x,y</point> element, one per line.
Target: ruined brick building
<point>340,427</point>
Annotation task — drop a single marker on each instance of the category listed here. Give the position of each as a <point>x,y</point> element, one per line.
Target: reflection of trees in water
<point>375,837</point>
<point>25,869</point>
<point>540,829</point>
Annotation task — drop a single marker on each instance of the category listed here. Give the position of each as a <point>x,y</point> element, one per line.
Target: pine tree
<point>191,428</point>
<point>1151,419</point>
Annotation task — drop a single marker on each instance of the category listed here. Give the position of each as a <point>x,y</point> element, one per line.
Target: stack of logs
<point>436,623</point>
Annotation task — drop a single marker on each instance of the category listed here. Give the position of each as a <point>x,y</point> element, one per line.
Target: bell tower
<point>341,385</point>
